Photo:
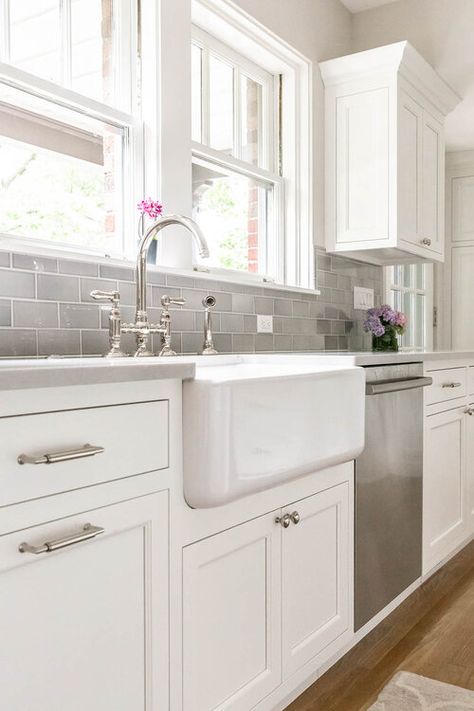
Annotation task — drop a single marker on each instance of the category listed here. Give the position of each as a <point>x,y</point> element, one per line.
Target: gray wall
<point>45,308</point>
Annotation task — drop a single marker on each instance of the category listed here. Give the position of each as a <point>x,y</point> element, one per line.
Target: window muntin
<point>237,194</point>
<point>409,289</point>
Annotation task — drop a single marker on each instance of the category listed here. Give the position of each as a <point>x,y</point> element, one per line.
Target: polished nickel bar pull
<point>87,532</point>
<point>396,385</point>
<point>451,385</point>
<point>87,450</point>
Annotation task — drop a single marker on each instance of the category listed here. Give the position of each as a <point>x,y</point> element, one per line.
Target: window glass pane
<point>251,120</point>
<point>407,275</point>
<point>233,211</point>
<point>420,276</point>
<point>35,39</point>
<point>419,320</point>
<point>397,274</point>
<point>396,300</point>
<point>408,337</point>
<point>92,49</point>
<point>60,180</point>
<point>221,105</point>
<point>196,69</point>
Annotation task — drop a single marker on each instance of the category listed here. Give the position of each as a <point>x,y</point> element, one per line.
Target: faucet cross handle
<point>112,296</point>
<point>167,301</point>
<point>115,321</point>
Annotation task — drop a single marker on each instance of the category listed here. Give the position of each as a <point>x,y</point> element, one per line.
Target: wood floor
<point>438,643</point>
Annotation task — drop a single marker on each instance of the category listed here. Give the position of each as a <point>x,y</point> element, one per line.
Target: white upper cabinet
<point>385,155</point>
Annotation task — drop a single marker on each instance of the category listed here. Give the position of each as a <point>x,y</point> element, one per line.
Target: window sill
<point>19,246</point>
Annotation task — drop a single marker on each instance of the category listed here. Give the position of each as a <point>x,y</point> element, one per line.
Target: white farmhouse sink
<point>253,423</point>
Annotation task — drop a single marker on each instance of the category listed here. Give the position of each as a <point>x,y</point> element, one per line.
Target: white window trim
<point>133,148</point>
<point>427,292</point>
<point>243,33</point>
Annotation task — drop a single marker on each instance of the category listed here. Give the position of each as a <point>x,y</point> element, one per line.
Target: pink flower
<point>150,207</point>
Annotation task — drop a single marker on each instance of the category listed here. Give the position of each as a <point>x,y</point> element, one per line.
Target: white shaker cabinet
<point>445,519</point>
<point>87,624</point>
<point>456,300</point>
<point>263,598</point>
<point>231,617</point>
<point>316,576</point>
<point>385,155</point>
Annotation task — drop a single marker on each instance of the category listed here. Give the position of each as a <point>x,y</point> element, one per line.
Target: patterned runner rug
<point>411,692</point>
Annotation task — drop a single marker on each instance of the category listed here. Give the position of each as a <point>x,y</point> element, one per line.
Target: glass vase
<point>387,342</point>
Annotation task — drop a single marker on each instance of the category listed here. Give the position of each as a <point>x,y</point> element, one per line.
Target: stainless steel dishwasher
<point>389,488</point>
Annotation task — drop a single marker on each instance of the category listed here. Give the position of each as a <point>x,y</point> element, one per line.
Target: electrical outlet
<point>264,324</point>
<point>363,298</point>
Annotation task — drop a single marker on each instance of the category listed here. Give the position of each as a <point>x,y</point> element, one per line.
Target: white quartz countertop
<point>22,374</point>
<point>368,358</point>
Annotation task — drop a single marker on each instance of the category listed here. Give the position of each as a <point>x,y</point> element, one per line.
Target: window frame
<point>238,30</point>
<point>390,286</point>
<point>129,123</point>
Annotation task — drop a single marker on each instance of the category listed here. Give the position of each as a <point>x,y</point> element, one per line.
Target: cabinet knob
<point>295,517</point>
<point>283,520</point>
<point>426,242</point>
<point>469,411</point>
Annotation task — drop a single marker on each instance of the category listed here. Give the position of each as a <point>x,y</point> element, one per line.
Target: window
<point>67,131</point>
<point>252,126</point>
<point>237,191</point>
<point>409,288</point>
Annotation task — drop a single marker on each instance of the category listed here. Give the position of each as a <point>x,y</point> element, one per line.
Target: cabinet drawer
<point>470,380</point>
<point>131,439</point>
<point>448,384</point>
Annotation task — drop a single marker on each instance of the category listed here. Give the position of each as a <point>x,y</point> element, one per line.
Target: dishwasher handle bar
<point>397,385</point>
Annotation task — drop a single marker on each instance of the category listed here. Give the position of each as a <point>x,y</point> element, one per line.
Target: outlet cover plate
<point>363,298</point>
<point>264,323</point>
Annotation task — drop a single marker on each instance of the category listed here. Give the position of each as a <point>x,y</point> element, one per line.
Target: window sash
<point>132,150</point>
<point>210,46</point>
<point>271,247</point>
<point>125,47</point>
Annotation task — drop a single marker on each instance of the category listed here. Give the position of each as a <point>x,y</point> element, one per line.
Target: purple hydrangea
<point>382,316</point>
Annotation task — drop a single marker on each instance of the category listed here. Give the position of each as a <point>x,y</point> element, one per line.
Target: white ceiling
<point>359,5</point>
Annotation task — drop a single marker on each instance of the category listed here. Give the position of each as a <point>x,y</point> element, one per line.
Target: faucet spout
<point>144,246</point>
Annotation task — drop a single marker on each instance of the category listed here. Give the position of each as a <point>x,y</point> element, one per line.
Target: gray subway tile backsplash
<point>17,284</point>
<point>36,264</point>
<point>18,342</point>
<point>35,314</point>
<point>45,308</point>
<point>5,312</point>
<point>58,288</point>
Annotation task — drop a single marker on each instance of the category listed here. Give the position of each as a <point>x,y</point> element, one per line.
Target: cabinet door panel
<point>463,209</point>
<point>410,135</point>
<point>433,182</point>
<point>362,181</point>
<point>76,627</point>
<point>470,469</point>
<point>444,494</point>
<point>316,565</point>
<point>231,617</point>
<point>462,304</point>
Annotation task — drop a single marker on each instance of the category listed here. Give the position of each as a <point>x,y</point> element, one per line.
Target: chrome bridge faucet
<point>142,328</point>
